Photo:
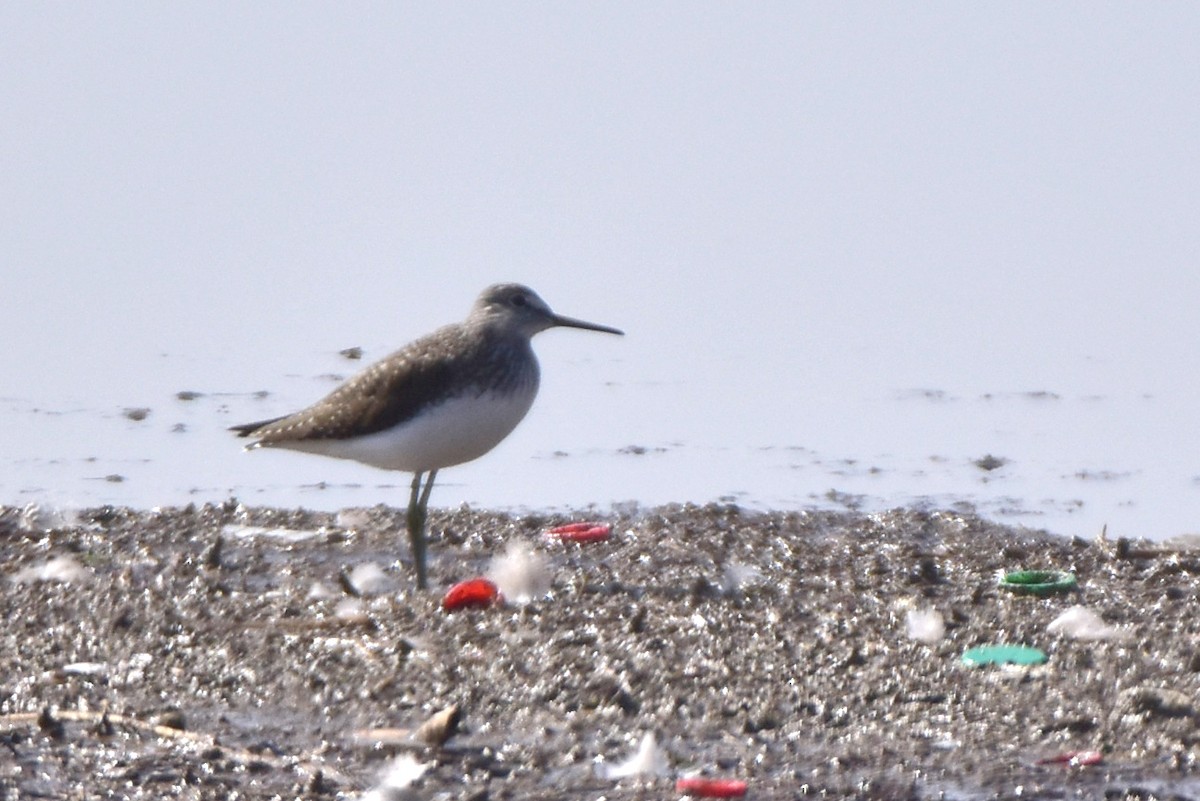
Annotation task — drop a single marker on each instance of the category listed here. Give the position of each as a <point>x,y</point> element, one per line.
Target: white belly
<point>453,432</point>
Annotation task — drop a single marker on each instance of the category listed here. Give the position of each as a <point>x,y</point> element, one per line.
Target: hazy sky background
<point>800,213</point>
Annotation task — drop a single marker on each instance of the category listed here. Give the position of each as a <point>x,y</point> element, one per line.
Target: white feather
<point>521,573</point>
<point>1081,623</point>
<point>397,780</point>
<point>649,760</point>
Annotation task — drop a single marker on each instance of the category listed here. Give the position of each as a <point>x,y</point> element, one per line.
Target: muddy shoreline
<point>266,645</point>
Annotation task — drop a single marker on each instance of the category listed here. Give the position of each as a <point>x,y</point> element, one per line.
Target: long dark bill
<point>571,322</point>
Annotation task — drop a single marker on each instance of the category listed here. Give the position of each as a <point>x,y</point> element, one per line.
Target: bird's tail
<point>248,429</point>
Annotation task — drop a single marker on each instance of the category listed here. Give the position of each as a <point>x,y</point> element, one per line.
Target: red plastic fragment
<point>711,788</point>
<point>476,592</point>
<point>1081,758</point>
<point>581,532</point>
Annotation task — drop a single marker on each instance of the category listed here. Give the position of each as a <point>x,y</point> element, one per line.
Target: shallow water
<point>855,250</point>
<point>1071,463</point>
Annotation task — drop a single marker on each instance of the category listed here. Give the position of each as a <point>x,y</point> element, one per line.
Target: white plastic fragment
<point>133,670</point>
<point>34,517</point>
<point>738,576</point>
<point>368,578</point>
<point>85,669</point>
<point>924,625</point>
<point>281,534</point>
<point>350,610</point>
<point>60,568</point>
<point>351,519</point>
<point>320,592</point>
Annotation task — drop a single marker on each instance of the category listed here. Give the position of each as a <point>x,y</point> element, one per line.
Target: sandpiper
<point>441,400</point>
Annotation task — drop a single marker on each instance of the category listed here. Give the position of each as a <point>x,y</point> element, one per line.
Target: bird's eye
<point>518,300</point>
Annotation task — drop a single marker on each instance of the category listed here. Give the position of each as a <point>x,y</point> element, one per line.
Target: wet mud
<point>225,652</point>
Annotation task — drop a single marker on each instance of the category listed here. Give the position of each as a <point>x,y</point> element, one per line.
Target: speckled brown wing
<point>386,394</point>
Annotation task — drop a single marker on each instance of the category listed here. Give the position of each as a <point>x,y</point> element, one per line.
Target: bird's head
<point>519,308</point>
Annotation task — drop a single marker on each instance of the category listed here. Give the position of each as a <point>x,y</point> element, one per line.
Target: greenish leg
<point>418,506</point>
